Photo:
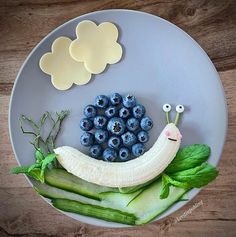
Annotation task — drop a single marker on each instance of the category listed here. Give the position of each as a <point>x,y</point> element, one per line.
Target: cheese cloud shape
<point>96,46</point>
<point>64,70</point>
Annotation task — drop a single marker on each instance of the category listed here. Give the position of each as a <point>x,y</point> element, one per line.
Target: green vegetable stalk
<point>100,212</point>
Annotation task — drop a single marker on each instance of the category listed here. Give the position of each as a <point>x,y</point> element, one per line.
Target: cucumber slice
<point>103,213</point>
<point>145,203</point>
<point>109,199</point>
<point>118,200</point>
<point>53,193</point>
<point>137,187</point>
<point>148,204</point>
<point>62,179</point>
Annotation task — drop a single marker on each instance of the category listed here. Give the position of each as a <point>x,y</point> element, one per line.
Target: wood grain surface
<point>23,23</point>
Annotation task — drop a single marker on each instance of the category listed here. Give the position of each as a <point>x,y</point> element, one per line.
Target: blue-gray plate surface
<point>161,64</point>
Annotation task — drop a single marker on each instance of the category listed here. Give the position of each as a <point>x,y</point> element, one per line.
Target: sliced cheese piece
<point>64,70</point>
<point>96,46</point>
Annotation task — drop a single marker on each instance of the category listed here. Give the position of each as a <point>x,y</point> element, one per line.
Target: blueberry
<point>116,126</point>
<point>124,154</point>
<point>90,111</point>
<point>129,139</point>
<point>115,99</point>
<point>139,111</point>
<point>95,151</point>
<point>143,136</point>
<point>124,113</point>
<point>129,101</point>
<point>86,124</point>
<point>132,124</point>
<point>109,154</point>
<point>100,121</point>
<point>146,123</point>
<point>87,139</point>
<point>111,111</point>
<point>138,149</point>
<point>114,142</point>
<point>101,101</point>
<point>101,136</point>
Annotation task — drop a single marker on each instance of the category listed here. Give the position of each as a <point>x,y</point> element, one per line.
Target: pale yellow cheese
<point>64,70</point>
<point>96,46</point>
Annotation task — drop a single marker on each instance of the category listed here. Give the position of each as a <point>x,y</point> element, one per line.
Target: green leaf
<point>39,155</point>
<point>189,157</point>
<point>35,173</point>
<point>165,189</point>
<point>36,165</point>
<point>47,160</point>
<point>19,169</point>
<point>167,181</point>
<point>196,177</point>
<point>177,183</point>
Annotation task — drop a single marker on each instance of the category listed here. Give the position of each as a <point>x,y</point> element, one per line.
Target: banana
<point>123,174</point>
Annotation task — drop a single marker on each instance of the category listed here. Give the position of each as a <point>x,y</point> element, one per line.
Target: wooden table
<point>23,23</point>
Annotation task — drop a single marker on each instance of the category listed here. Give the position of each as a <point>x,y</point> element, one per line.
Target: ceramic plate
<point>161,64</point>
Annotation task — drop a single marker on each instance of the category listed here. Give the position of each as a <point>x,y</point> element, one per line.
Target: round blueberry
<point>111,111</point>
<point>90,111</point>
<point>86,124</point>
<point>138,149</point>
<point>143,136</point>
<point>124,154</point>
<point>132,124</point>
<point>129,101</point>
<point>129,139</point>
<point>146,123</point>
<point>115,99</point>
<point>87,139</point>
<point>109,154</point>
<point>114,142</point>
<point>124,113</point>
<point>139,111</point>
<point>95,151</point>
<point>116,126</point>
<point>101,101</point>
<point>100,121</point>
<point>101,136</point>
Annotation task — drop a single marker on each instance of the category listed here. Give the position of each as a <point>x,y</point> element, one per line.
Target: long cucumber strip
<point>54,193</point>
<point>103,213</point>
<point>62,179</point>
<point>109,199</point>
<point>148,204</point>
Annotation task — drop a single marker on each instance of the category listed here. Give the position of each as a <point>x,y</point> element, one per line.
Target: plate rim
<point>117,225</point>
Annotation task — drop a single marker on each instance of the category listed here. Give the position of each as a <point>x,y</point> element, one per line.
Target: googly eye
<point>166,107</point>
<point>179,108</point>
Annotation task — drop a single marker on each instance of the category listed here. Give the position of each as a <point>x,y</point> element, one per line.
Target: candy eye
<point>166,107</point>
<point>179,108</point>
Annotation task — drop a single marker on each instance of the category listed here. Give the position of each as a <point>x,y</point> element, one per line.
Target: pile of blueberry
<point>116,128</point>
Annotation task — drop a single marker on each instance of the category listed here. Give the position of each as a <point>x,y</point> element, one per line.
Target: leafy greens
<point>188,169</point>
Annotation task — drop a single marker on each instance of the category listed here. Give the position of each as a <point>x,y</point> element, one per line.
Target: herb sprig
<point>44,155</point>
